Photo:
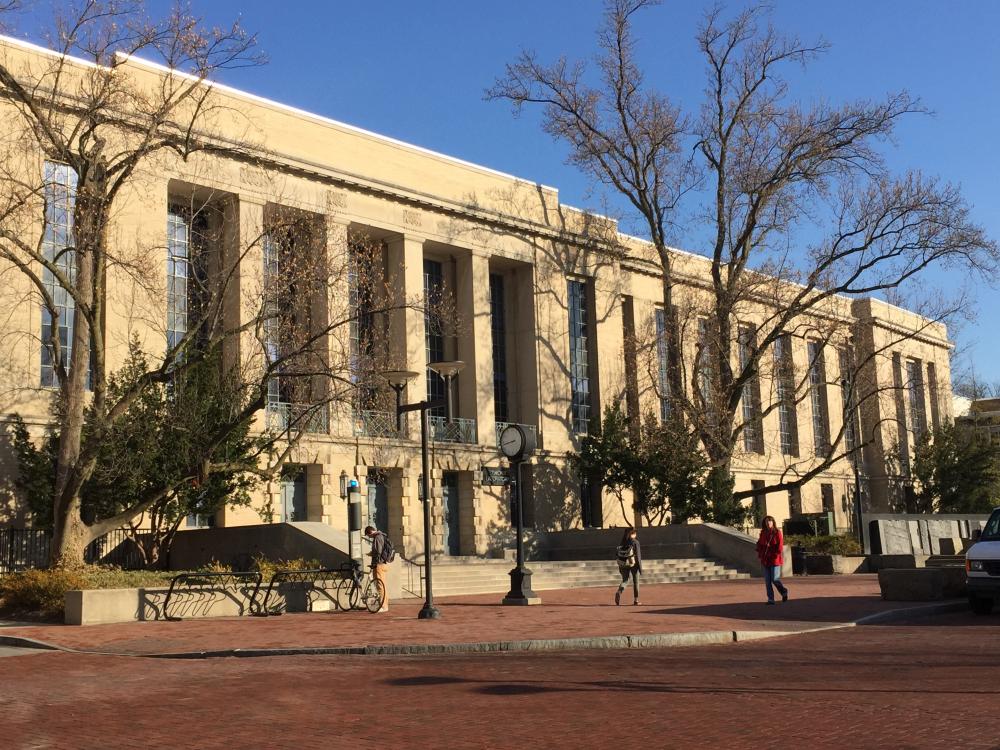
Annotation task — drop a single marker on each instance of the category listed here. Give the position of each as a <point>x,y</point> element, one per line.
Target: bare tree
<point>103,125</point>
<point>802,213</point>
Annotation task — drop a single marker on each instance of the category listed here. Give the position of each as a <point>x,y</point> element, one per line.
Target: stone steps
<point>453,578</point>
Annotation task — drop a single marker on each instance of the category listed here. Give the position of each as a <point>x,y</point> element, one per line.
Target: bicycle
<point>360,589</point>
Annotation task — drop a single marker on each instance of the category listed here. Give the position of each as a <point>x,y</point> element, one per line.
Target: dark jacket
<point>378,545</point>
<point>634,543</point>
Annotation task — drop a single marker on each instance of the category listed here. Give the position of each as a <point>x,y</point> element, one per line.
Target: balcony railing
<point>305,417</point>
<point>377,424</point>
<point>528,428</point>
<point>455,431</point>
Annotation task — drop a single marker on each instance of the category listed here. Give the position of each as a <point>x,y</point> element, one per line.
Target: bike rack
<point>311,576</point>
<point>202,582</point>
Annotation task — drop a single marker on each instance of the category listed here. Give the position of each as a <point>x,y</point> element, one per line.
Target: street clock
<point>516,443</point>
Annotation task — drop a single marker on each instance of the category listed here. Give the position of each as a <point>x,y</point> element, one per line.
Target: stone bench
<point>921,584</point>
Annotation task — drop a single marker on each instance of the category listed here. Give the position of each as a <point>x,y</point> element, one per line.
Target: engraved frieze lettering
<point>336,199</point>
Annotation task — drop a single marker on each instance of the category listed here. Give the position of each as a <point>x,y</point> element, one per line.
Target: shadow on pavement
<point>535,687</point>
<point>949,620</point>
<point>813,609</point>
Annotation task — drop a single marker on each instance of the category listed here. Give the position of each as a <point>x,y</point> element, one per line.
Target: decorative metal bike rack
<point>312,577</point>
<point>203,583</point>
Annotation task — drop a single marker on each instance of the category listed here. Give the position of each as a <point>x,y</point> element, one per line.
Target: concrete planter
<point>97,606</point>
<point>921,584</point>
<point>818,564</point>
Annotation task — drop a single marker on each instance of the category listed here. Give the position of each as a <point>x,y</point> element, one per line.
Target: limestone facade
<point>529,277</point>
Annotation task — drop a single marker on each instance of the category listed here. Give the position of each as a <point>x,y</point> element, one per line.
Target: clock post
<point>517,444</point>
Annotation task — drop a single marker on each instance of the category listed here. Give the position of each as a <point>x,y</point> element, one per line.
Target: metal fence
<point>456,431</point>
<point>21,549</point>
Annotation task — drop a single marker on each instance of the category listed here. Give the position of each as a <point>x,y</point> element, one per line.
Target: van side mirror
<point>976,534</point>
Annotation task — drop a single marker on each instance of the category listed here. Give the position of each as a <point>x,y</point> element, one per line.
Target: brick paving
<point>667,608</point>
<point>930,684</point>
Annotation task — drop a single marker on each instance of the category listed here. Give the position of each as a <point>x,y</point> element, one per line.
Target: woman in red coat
<point>769,546</point>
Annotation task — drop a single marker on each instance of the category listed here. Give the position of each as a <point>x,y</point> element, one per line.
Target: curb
<point>651,640</point>
<point>907,613</point>
<point>18,642</point>
<point>642,641</point>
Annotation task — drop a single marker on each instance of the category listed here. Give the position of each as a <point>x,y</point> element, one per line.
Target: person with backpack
<point>629,564</point>
<point>382,554</point>
<point>769,547</point>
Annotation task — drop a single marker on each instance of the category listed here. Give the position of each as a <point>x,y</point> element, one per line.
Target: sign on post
<point>496,476</point>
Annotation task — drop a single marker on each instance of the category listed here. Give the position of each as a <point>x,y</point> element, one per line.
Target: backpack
<point>625,554</point>
<point>388,551</point>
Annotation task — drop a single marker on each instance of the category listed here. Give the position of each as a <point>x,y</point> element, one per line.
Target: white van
<point>982,567</point>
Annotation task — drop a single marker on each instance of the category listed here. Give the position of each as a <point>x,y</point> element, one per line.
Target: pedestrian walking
<point>629,559</point>
<point>381,554</point>
<point>769,547</point>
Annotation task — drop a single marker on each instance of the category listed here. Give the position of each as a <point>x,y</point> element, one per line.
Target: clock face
<point>511,441</point>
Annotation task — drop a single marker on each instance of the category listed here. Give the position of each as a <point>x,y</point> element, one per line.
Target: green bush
<point>268,567</point>
<point>834,544</point>
<point>108,577</point>
<point>38,592</point>
<point>41,593</point>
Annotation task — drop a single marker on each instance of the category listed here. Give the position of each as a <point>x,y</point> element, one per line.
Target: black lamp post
<point>517,444</point>
<point>398,380</point>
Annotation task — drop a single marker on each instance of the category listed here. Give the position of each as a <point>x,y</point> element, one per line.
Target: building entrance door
<point>293,496</point>
<point>449,492</point>
<point>378,500</point>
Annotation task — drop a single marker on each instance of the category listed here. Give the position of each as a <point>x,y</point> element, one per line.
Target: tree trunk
<point>70,537</point>
<point>71,533</point>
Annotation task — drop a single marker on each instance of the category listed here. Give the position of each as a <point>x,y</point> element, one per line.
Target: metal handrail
<point>377,424</point>
<point>309,417</point>
<point>457,430</point>
<point>235,578</point>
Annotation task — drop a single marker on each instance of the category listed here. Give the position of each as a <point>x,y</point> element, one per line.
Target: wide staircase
<point>454,576</point>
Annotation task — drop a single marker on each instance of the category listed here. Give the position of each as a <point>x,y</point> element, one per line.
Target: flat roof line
<point>332,122</point>
<point>46,51</point>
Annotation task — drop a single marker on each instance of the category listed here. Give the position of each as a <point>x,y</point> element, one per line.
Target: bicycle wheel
<point>374,595</point>
<point>347,594</point>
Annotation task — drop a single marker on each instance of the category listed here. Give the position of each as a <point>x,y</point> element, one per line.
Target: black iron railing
<point>23,549</point>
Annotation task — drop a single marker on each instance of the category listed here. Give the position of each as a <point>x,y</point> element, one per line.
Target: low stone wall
<point>921,584</point>
<point>237,546</point>
<point>817,564</point>
<point>914,534</point>
<point>98,606</point>
<point>882,562</point>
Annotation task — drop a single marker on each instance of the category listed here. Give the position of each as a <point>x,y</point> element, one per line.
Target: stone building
<point>545,294</point>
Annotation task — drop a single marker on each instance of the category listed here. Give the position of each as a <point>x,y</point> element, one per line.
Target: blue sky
<point>417,71</point>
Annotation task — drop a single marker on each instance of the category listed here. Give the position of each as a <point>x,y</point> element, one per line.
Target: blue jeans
<point>772,579</point>
<point>625,573</point>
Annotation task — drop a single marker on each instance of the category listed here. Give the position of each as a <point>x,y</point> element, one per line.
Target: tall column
<point>607,346</point>
<point>475,345</point>
<point>523,347</point>
<point>337,317</point>
<point>250,280</point>
<point>406,324</point>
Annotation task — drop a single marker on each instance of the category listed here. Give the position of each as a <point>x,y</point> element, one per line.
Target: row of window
<point>186,282</point>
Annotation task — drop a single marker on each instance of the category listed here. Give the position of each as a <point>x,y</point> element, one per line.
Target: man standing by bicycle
<point>380,554</point>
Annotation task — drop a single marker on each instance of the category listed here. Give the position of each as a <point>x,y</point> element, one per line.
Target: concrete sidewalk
<point>670,614</point>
